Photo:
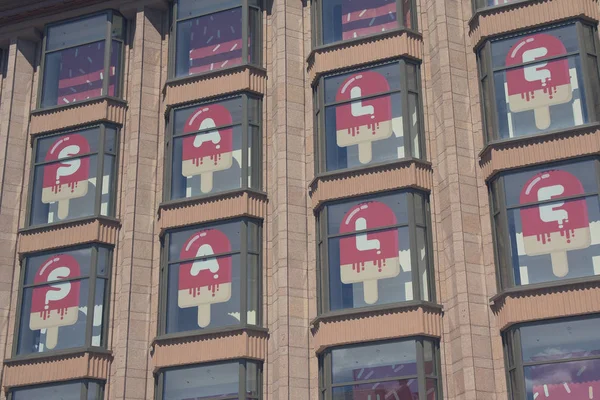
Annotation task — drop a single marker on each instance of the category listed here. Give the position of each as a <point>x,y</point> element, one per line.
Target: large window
<point>212,277</point>
<point>539,81</point>
<point>228,381</point>
<point>339,20</point>
<point>83,59</point>
<point>212,35</point>
<point>554,360</point>
<point>374,250</point>
<point>78,390</point>
<point>547,222</point>
<point>63,300</point>
<point>74,175</point>
<point>215,147</point>
<point>400,370</point>
<point>368,116</point>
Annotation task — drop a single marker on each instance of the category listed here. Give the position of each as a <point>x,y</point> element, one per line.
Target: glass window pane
<point>118,27</point>
<point>204,241</point>
<point>254,298</point>
<point>254,158</point>
<point>594,85</point>
<point>63,391</point>
<point>349,19</point>
<point>98,314</point>
<point>192,8</point>
<point>252,382</point>
<point>110,140</point>
<point>367,82</point>
<point>108,198</point>
<point>79,261</point>
<point>209,43</point>
<point>431,389</point>
<point>205,381</point>
<point>407,389</point>
<point>254,39</point>
<point>115,69</point>
<point>78,32</point>
<point>563,381</point>
<point>429,358</point>
<point>206,116</point>
<point>413,124</point>
<point>58,147</point>
<point>422,262</point>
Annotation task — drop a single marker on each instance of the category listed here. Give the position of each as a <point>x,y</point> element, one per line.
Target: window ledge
<point>239,78</point>
<point>92,229</point>
<point>188,348</point>
<point>57,366</point>
<point>340,55</point>
<point>388,321</point>
<point>375,178</point>
<point>197,210</point>
<point>529,150</point>
<point>506,18</point>
<point>110,109</point>
<point>547,300</point>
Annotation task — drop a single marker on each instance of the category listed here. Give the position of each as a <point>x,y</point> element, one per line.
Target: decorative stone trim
<point>55,368</point>
<point>364,326</point>
<point>69,233</point>
<point>363,51</point>
<point>187,350</point>
<point>497,20</point>
<point>78,114</point>
<point>351,183</point>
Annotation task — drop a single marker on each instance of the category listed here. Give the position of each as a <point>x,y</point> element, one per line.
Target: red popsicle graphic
<point>206,281</point>
<point>55,304</point>
<point>363,121</point>
<point>538,86</point>
<point>66,180</point>
<point>367,17</point>
<point>567,391</point>
<point>368,257</point>
<point>208,151</point>
<point>556,227</point>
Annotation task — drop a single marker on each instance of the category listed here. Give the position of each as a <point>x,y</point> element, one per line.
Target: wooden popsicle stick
<point>63,208</point>
<point>560,264</point>
<point>542,117</point>
<point>51,337</point>
<point>371,292</point>
<point>203,315</point>
<point>365,152</point>
<point>206,182</point>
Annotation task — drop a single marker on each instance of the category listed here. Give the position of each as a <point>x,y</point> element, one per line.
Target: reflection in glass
<point>62,391</point>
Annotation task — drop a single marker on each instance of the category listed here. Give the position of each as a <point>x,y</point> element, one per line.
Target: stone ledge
<point>520,15</point>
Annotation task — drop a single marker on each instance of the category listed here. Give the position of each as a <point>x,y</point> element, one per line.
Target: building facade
<point>290,199</point>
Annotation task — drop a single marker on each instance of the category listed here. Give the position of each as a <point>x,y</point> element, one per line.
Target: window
<point>215,147</point>
<point>78,55</point>
<point>554,360</point>
<point>212,35</point>
<point>231,380</point>
<point>74,175</point>
<point>401,370</point>
<point>212,277</point>
<point>539,81</point>
<point>374,250</point>
<point>339,20</point>
<point>493,3</point>
<point>546,222</point>
<point>59,290</point>
<point>79,390</point>
<point>368,116</point>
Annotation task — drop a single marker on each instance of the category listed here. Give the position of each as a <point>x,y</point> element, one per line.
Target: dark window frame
<point>92,278</point>
<point>84,387</point>
<point>108,39</point>
<point>326,384</point>
<point>243,253</point>
<point>257,152</point>
<point>100,154</point>
<point>317,27</point>
<point>319,114</point>
<point>487,90</point>
<point>245,5</point>
<point>505,278</point>
<point>322,239</point>
<point>242,362</point>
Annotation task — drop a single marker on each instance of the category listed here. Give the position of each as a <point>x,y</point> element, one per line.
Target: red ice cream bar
<point>210,144</point>
<point>567,391</point>
<point>366,17</point>
<point>69,172</point>
<point>57,297</point>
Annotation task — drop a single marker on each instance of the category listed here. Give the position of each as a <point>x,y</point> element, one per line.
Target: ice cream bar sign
<point>207,280</point>
<point>55,304</point>
<point>68,179</point>
<point>368,257</point>
<point>537,86</point>
<point>210,150</point>
<point>361,122</point>
<point>554,227</point>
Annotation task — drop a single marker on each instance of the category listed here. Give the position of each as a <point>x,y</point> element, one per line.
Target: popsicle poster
<point>207,280</point>
<point>361,122</point>
<point>368,257</point>
<point>208,151</point>
<point>55,304</point>
<point>367,17</point>
<point>66,180</point>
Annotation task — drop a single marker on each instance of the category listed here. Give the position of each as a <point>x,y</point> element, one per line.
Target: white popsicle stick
<point>63,208</point>
<point>51,337</point>
<point>365,152</point>
<point>206,182</point>
<point>371,292</point>
<point>203,315</point>
<point>560,264</point>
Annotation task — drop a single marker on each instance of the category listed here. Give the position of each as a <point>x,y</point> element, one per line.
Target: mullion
<point>244,275</point>
<point>46,52</point>
<point>107,57</point>
<point>62,160</point>
<point>537,61</point>
<point>553,200</point>
<point>34,285</point>
<point>100,172</point>
<point>245,133</point>
<point>91,297</point>
<point>368,97</point>
<point>219,255</point>
<point>213,12</point>
<point>378,229</point>
<point>207,130</point>
<point>375,380</point>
